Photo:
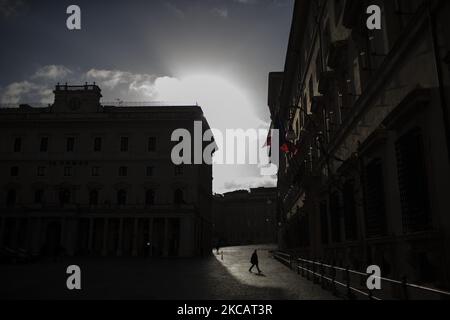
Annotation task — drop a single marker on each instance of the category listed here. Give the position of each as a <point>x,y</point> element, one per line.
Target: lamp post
<point>268,220</point>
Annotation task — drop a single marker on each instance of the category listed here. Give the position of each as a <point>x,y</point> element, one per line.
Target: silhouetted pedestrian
<point>254,261</point>
<point>217,248</point>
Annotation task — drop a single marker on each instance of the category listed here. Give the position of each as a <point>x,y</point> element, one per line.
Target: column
<point>72,232</point>
<point>135,238</point>
<point>37,241</point>
<point>120,246</point>
<point>29,239</point>
<point>2,230</point>
<point>187,237</point>
<point>16,233</point>
<point>105,238</point>
<point>150,237</point>
<point>91,234</point>
<point>63,233</point>
<point>166,238</point>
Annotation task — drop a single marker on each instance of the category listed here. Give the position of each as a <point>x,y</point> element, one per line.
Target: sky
<point>216,53</point>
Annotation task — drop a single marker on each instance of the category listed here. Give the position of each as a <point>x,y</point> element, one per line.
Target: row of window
<point>414,199</point>
<point>97,144</point>
<point>96,171</point>
<point>66,197</point>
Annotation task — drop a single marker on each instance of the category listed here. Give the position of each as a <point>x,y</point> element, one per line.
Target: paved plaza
<point>179,279</point>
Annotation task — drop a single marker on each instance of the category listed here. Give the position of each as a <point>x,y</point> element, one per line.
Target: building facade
<point>90,179</point>
<point>245,217</point>
<point>367,115</point>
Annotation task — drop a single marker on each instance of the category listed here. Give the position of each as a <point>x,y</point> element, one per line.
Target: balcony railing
<point>333,277</point>
<point>39,105</point>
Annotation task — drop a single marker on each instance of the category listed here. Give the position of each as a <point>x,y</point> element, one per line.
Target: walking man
<point>254,261</point>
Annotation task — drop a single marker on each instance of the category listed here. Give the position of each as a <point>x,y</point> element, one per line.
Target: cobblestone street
<point>189,279</point>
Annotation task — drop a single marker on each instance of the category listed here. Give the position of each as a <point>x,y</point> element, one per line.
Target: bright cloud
<point>15,92</point>
<point>248,183</point>
<point>52,72</point>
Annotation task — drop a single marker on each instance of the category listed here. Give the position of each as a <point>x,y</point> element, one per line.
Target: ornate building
<point>367,178</point>
<point>90,179</point>
<point>245,217</point>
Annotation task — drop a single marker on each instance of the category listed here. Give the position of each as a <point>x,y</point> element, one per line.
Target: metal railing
<point>284,258</point>
<point>118,103</point>
<point>334,277</point>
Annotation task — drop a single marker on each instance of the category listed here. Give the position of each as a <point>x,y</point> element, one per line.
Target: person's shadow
<point>260,275</point>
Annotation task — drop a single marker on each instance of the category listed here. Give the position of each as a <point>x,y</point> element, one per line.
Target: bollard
<point>302,263</point>
<point>315,277</point>
<point>347,278</point>
<point>222,255</point>
<point>322,283</point>
<point>333,280</point>
<point>405,288</point>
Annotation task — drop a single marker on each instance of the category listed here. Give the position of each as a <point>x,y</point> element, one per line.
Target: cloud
<point>220,12</point>
<point>130,85</point>
<point>109,78</point>
<point>174,10</point>
<point>248,183</point>
<point>52,72</point>
<point>19,91</point>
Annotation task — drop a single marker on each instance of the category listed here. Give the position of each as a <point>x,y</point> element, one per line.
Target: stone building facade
<point>367,113</point>
<point>245,217</point>
<point>91,179</point>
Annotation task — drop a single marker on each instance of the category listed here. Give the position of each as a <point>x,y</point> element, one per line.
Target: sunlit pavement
<point>209,278</point>
<point>275,277</point>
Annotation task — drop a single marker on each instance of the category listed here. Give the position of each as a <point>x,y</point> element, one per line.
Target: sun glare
<point>225,105</point>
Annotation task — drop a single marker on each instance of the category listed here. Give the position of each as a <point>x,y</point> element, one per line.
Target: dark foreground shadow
<point>260,275</point>
<point>192,279</point>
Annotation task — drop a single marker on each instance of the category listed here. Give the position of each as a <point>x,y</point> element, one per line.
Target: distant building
<point>91,179</point>
<point>367,177</point>
<point>245,217</point>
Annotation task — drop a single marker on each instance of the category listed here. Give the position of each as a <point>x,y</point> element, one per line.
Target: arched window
<point>64,196</point>
<point>93,197</point>
<point>11,198</point>
<point>150,197</point>
<point>122,197</point>
<point>178,197</point>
